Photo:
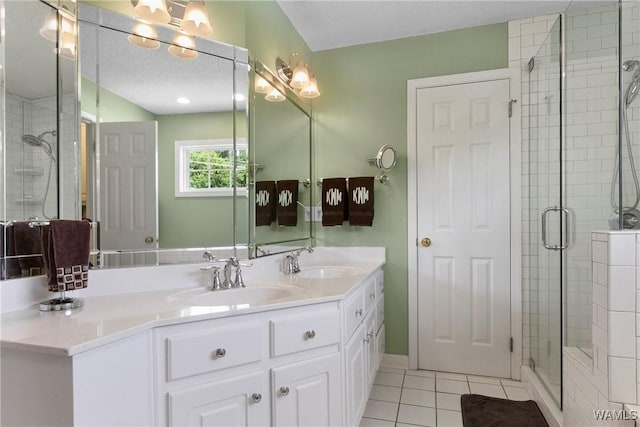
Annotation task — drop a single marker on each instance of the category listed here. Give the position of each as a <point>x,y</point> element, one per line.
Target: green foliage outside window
<point>210,168</point>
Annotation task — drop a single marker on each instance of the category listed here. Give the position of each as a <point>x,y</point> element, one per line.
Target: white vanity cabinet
<point>279,367</point>
<point>363,318</point>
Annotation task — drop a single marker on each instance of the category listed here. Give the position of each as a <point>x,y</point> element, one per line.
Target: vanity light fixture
<point>144,35</point>
<point>183,45</point>
<point>298,78</point>
<point>189,17</point>
<point>154,11</point>
<point>55,23</point>
<point>311,90</point>
<point>261,85</point>
<point>196,19</point>
<point>275,96</point>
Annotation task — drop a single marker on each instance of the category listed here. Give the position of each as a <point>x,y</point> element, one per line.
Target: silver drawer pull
<point>310,334</point>
<point>284,390</point>
<point>256,397</point>
<point>359,312</point>
<point>220,353</point>
<point>372,295</point>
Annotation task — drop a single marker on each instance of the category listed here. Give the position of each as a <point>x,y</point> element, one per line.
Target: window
<point>204,168</point>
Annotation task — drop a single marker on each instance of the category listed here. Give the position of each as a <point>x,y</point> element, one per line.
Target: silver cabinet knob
<point>149,239</point>
<point>359,312</point>
<point>220,353</point>
<point>310,334</point>
<point>372,295</point>
<point>284,390</point>
<point>256,397</point>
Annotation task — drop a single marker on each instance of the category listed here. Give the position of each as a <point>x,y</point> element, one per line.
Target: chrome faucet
<point>225,281</point>
<point>290,264</point>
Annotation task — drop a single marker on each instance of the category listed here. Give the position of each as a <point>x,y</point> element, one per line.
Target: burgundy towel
<point>265,202</point>
<point>8,252</point>
<point>334,201</point>
<point>67,254</point>
<point>27,242</point>
<point>288,202</point>
<point>361,201</point>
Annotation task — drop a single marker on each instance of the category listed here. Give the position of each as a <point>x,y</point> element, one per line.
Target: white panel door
<point>308,393</point>
<point>128,185</point>
<point>463,208</point>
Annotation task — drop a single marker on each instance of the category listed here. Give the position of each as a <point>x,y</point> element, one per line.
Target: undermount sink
<point>250,296</point>
<point>328,272</point>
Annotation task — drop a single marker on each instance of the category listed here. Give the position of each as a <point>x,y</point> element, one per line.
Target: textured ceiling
<point>330,24</point>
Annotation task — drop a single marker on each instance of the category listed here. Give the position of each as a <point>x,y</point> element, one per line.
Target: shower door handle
<point>567,240</point>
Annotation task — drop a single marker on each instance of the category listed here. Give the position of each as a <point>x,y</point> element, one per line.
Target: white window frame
<point>181,161</point>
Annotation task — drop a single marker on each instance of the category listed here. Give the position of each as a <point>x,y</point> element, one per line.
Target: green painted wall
<point>194,221</point>
<point>363,106</point>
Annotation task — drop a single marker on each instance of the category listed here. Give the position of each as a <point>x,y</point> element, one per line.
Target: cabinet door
<point>370,348</point>
<point>355,377</point>
<point>238,401</point>
<point>307,393</point>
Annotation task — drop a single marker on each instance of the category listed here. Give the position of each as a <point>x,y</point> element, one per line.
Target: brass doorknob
<point>426,242</point>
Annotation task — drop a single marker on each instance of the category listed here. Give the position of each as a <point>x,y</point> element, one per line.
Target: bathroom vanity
<point>304,356</point>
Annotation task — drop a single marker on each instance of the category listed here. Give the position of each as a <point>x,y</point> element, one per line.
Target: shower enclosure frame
<point>572,219</point>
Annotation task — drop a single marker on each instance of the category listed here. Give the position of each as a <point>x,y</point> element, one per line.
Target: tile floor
<point>404,398</point>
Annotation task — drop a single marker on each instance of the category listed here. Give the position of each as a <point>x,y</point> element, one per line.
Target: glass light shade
<point>182,46</point>
<point>196,19</point>
<point>49,29</point>
<point>299,77</point>
<point>311,90</point>
<point>144,35</point>
<point>154,11</point>
<point>275,96</point>
<point>68,45</point>
<point>261,85</point>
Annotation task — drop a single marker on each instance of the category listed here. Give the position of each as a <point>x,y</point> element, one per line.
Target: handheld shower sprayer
<point>38,141</point>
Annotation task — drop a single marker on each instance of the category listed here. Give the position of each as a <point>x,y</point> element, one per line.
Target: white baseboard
<point>395,361</point>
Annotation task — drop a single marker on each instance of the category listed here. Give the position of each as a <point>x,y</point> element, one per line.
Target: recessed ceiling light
<point>183,100</point>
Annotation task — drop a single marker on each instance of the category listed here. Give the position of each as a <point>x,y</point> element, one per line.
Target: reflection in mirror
<point>169,137</point>
<point>281,172</point>
<point>39,169</point>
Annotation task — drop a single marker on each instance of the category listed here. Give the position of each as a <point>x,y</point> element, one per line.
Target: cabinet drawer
<point>220,348</point>
<point>380,312</point>
<point>369,295</point>
<point>353,313</point>
<point>295,333</point>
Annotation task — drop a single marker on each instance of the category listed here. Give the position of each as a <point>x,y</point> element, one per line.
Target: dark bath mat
<point>484,411</point>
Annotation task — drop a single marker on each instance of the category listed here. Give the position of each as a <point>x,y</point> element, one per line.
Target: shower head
<point>634,85</point>
<point>38,141</point>
<point>630,65</point>
<point>633,89</point>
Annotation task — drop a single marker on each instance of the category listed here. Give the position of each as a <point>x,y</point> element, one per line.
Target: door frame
<point>515,192</point>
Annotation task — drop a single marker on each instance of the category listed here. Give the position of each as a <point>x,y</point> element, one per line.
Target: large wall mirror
<point>38,151</point>
<point>165,131</point>
<point>281,135</point>
<point>164,151</point>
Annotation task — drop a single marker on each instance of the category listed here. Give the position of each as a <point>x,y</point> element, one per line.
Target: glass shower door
<point>546,214</point>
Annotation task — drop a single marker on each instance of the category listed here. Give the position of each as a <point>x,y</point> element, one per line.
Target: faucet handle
<point>208,256</point>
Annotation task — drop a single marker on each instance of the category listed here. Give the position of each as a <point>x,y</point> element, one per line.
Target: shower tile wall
<point>33,117</point>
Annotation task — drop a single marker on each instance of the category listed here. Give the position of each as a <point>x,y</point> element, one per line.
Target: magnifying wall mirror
<point>385,160</point>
